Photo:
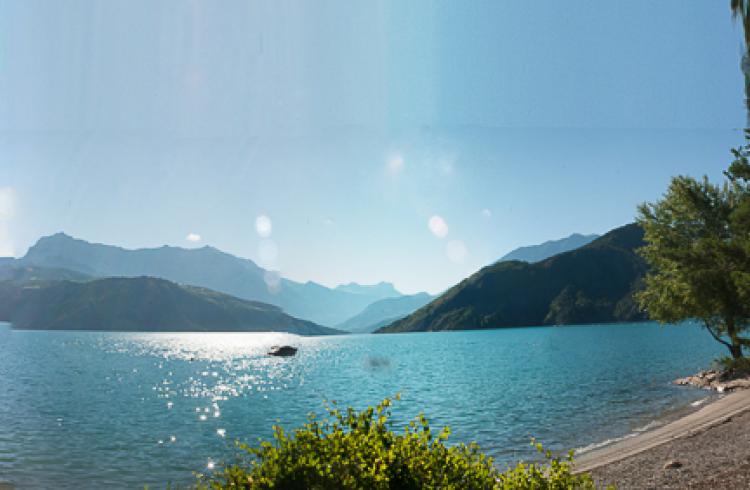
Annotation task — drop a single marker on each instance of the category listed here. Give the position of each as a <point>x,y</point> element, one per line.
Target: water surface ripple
<point>121,410</point>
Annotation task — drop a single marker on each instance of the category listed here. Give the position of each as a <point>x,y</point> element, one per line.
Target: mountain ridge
<point>591,284</point>
<point>140,304</point>
<point>205,267</point>
<point>545,250</point>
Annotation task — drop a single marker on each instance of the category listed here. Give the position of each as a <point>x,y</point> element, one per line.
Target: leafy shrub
<point>733,368</point>
<point>353,450</point>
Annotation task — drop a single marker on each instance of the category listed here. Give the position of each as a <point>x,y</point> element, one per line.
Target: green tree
<point>698,246</point>
<point>741,13</point>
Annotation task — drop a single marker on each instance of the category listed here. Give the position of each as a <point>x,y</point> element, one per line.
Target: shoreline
<point>672,454</point>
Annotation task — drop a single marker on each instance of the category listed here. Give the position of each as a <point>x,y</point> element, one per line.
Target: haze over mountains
<point>10,271</point>
<point>209,268</point>
<point>592,284</point>
<point>384,312</point>
<point>536,253</point>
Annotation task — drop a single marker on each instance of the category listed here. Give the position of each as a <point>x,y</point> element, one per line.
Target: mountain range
<point>537,253</point>
<point>209,268</point>
<point>63,282</point>
<point>591,284</point>
<point>138,304</point>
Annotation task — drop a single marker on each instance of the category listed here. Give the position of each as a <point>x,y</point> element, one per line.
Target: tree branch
<point>716,337</point>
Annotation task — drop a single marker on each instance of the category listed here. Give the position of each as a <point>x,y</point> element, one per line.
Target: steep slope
<point>537,253</point>
<point>140,304</point>
<point>383,312</point>
<point>591,284</point>
<point>206,267</point>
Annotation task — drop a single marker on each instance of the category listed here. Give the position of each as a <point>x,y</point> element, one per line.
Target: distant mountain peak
<point>384,288</point>
<point>59,236</point>
<point>57,240</point>
<point>537,253</point>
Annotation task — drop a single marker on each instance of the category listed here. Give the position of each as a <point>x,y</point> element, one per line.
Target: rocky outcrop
<point>714,380</point>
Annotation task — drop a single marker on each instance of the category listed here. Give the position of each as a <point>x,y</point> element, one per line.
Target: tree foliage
<point>358,450</point>
<point>698,246</point>
<point>741,13</point>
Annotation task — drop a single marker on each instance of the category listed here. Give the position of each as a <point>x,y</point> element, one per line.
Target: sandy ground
<point>711,448</point>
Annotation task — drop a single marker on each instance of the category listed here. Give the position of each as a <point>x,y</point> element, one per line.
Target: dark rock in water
<point>283,351</point>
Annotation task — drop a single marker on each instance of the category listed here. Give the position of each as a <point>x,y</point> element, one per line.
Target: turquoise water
<point>120,410</point>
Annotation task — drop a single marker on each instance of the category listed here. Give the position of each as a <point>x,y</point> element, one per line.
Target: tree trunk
<point>736,350</point>
<point>736,346</point>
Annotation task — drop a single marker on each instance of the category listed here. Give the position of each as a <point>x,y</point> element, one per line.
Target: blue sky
<point>412,142</point>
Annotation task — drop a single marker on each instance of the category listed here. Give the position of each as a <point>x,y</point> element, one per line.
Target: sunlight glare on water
<point>152,408</point>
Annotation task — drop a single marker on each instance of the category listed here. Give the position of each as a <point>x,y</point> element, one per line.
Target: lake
<point>121,410</point>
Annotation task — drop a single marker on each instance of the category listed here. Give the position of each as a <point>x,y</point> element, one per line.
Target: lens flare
<point>456,251</point>
<point>438,226</point>
<point>395,163</point>
<point>273,281</point>
<point>268,252</point>
<point>263,226</point>
<point>7,203</point>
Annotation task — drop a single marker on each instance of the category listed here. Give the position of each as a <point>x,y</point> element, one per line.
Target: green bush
<point>733,368</point>
<point>357,450</point>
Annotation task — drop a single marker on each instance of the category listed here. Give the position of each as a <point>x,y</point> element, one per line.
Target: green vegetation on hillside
<point>592,284</point>
<point>358,450</point>
<point>139,304</point>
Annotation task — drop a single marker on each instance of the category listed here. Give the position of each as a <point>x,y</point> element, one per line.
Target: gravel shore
<point>709,449</point>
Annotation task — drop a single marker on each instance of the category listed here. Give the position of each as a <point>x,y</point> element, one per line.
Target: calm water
<point>89,410</point>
